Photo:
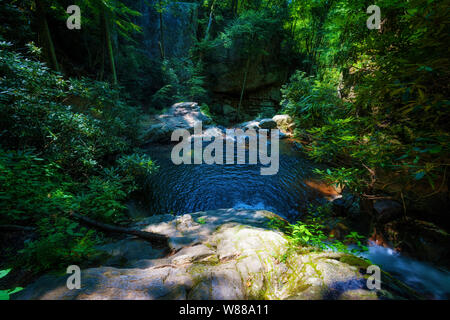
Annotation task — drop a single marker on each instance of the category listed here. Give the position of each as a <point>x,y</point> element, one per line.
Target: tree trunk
<point>243,86</point>
<point>46,38</point>
<point>234,5</point>
<point>161,32</point>
<point>210,21</point>
<point>109,47</point>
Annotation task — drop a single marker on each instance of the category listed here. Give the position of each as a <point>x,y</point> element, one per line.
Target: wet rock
<point>209,134</point>
<point>387,210</point>
<point>249,125</point>
<point>343,205</point>
<point>417,238</point>
<point>283,135</point>
<point>183,115</point>
<point>283,121</point>
<point>267,124</point>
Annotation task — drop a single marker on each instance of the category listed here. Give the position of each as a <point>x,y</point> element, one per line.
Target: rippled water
<point>189,188</point>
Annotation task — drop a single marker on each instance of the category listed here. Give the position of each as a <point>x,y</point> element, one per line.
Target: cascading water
<point>427,279</point>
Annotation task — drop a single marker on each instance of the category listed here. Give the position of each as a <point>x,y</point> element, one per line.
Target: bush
<point>310,100</point>
<point>67,145</point>
<point>183,81</point>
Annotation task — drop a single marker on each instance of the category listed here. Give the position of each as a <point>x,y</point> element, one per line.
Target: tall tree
<point>45,35</point>
<point>105,15</point>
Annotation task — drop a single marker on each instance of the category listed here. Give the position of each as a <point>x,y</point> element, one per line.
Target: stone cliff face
<point>179,28</point>
<point>224,67</point>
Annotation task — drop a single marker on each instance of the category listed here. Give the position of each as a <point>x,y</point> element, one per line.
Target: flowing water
<point>431,281</point>
<point>190,188</point>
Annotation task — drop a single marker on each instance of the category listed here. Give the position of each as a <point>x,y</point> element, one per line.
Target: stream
<point>190,188</point>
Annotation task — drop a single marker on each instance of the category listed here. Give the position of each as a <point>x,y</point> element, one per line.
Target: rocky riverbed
<point>219,254</point>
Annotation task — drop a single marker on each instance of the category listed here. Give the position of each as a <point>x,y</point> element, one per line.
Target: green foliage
<point>311,231</point>
<point>201,220</point>
<point>5,294</point>
<point>313,235</point>
<point>389,118</point>
<point>252,31</point>
<point>183,81</point>
<point>67,145</point>
<point>204,108</point>
<point>310,100</point>
<point>61,241</point>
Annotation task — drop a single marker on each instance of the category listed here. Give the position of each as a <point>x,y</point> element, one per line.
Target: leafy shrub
<point>311,231</point>
<point>30,187</point>
<point>61,241</point>
<point>183,81</point>
<point>67,145</point>
<point>310,100</point>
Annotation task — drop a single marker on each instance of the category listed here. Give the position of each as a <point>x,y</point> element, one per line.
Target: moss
<point>314,266</point>
<point>355,261</point>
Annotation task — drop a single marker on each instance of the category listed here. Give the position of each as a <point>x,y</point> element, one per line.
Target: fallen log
<point>15,228</point>
<point>149,236</point>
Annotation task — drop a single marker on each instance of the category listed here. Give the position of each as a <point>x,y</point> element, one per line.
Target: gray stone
<point>183,115</point>
<point>180,26</point>
<point>230,255</point>
<point>129,250</point>
<point>267,124</point>
<point>284,122</point>
<point>254,125</point>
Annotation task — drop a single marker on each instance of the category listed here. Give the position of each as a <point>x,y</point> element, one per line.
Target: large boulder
<point>220,254</point>
<point>183,115</point>
<point>387,210</point>
<point>267,124</point>
<point>226,68</point>
<point>254,125</point>
<point>284,122</point>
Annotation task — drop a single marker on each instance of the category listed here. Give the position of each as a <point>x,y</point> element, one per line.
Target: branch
<point>13,228</point>
<point>149,236</point>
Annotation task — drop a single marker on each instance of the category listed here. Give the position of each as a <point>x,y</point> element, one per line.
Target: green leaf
<point>4,295</point>
<point>3,273</point>
<point>15,290</point>
<point>435,149</point>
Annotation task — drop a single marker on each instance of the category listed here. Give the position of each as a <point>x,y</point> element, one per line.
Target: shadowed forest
<point>87,112</point>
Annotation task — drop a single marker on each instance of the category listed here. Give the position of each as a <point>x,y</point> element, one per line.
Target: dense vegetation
<point>389,119</point>
<point>67,145</point>
<point>373,104</point>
